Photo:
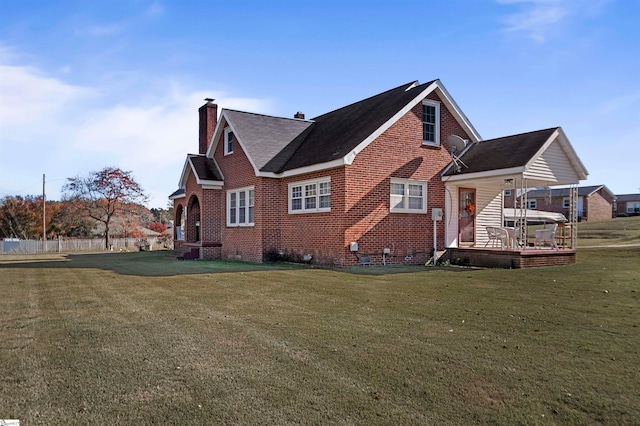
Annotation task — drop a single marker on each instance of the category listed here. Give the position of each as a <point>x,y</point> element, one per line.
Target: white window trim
<point>566,203</point>
<point>226,136</point>
<point>632,206</point>
<point>532,204</point>
<point>437,124</point>
<point>237,191</point>
<point>405,208</point>
<point>317,209</point>
<point>507,192</point>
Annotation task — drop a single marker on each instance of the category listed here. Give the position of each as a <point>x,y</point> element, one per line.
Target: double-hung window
<point>532,204</point>
<point>408,196</point>
<point>430,122</point>
<point>229,139</point>
<point>310,196</point>
<point>240,207</point>
<point>566,203</point>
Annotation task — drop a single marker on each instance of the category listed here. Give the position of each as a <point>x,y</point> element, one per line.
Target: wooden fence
<point>15,246</point>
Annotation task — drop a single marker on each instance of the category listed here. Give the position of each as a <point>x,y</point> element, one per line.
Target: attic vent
<point>299,115</point>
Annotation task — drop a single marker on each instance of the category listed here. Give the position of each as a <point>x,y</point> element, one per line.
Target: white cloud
<point>48,125</point>
<point>27,96</point>
<point>155,10</point>
<point>537,18</point>
<point>101,30</point>
<point>627,101</point>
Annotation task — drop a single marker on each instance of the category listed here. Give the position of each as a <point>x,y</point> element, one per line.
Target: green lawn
<point>621,230</point>
<point>139,338</point>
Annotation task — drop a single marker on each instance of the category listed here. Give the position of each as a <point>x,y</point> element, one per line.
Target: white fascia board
<point>211,184</point>
<point>189,166</point>
<point>562,139</point>
<point>175,197</point>
<point>444,95</point>
<point>216,138</point>
<point>451,164</point>
<point>216,133</point>
<point>542,149</point>
<point>307,169</point>
<point>182,183</point>
<point>608,191</point>
<point>348,159</point>
<point>457,112</point>
<point>246,153</point>
<point>573,156</point>
<point>496,174</point>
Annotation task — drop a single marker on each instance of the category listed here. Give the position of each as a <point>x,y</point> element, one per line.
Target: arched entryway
<point>193,233</point>
<point>179,222</point>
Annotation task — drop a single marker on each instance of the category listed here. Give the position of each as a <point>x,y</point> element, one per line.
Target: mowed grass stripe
<point>117,343</point>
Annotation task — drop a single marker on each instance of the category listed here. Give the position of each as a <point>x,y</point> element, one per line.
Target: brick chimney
<point>208,121</point>
<point>299,115</point>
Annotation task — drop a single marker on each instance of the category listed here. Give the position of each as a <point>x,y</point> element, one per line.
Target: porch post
<point>573,215</point>
<point>524,231</point>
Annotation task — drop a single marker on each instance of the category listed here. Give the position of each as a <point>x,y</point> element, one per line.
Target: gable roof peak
<point>549,130</point>
<point>264,115</point>
<point>403,88</point>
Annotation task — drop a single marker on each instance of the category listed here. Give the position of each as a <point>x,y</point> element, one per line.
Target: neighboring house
<point>627,204</point>
<point>358,184</point>
<point>593,203</point>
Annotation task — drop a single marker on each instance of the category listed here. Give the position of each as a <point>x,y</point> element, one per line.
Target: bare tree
<point>104,194</point>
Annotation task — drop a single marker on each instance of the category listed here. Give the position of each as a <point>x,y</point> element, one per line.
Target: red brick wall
<point>242,242</point>
<point>193,191</point>
<point>319,234</point>
<point>622,206</point>
<point>509,200</point>
<point>598,206</point>
<point>595,207</point>
<point>399,153</point>
<point>360,195</point>
<point>208,118</point>
<point>555,205</point>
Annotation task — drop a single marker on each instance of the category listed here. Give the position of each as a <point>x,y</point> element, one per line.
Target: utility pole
<point>44,217</point>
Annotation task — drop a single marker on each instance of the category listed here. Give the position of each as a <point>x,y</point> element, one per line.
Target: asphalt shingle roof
<point>264,136</point>
<point>583,191</point>
<point>334,134</point>
<point>180,191</point>
<point>206,168</point>
<point>628,197</point>
<point>502,153</point>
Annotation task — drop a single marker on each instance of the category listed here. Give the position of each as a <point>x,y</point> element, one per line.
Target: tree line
<point>107,202</point>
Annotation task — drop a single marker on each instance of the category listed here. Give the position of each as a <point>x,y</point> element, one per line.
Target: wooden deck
<point>511,258</point>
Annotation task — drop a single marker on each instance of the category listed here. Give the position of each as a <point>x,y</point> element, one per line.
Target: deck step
<point>187,253</point>
<point>440,254</point>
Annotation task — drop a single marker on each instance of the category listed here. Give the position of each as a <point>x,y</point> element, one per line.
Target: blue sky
<point>89,84</point>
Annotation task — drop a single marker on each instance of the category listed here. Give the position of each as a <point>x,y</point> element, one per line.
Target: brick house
<point>594,202</point>
<point>627,204</point>
<point>358,184</point>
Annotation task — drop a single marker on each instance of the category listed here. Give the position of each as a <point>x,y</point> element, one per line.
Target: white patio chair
<point>548,235</point>
<point>497,236</point>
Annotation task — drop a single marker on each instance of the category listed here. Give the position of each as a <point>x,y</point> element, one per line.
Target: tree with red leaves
<point>21,217</point>
<point>104,194</point>
<point>159,227</point>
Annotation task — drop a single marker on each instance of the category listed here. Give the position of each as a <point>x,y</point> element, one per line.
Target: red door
<point>467,217</point>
